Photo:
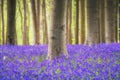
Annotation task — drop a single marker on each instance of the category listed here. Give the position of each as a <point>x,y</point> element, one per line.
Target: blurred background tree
<point>87,21</point>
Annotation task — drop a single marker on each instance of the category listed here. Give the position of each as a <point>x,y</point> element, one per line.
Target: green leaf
<point>43,68</point>
<point>57,71</point>
<point>117,62</point>
<point>96,72</point>
<point>99,60</point>
<point>89,59</point>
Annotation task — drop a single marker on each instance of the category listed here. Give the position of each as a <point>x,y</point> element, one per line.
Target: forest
<point>59,39</point>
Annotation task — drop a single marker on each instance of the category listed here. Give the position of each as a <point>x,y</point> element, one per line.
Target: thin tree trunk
<point>28,22</point>
<point>38,15</point>
<point>45,35</point>
<point>110,21</point>
<point>35,22</point>
<point>116,28</point>
<point>70,22</point>
<point>3,26</point>
<point>25,25</point>
<point>57,38</point>
<point>82,30</point>
<point>77,23</point>
<point>11,11</point>
<point>19,8</point>
<point>67,21</point>
<point>118,20</point>
<point>92,20</point>
<point>102,21</point>
<point>0,25</point>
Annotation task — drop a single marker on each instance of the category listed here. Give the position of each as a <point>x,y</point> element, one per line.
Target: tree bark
<point>57,38</point>
<point>70,22</point>
<point>20,11</point>
<point>118,20</point>
<point>25,41</point>
<point>92,20</point>
<point>3,26</point>
<point>67,21</point>
<point>11,11</point>
<point>82,30</point>
<point>35,22</point>
<point>38,16</point>
<point>0,25</point>
<point>110,24</point>
<point>102,21</point>
<point>45,35</point>
<point>77,23</point>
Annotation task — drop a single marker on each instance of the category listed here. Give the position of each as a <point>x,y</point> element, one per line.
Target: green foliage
<point>117,62</point>
<point>43,68</point>
<point>58,71</point>
<point>99,60</point>
<point>41,58</point>
<point>89,60</point>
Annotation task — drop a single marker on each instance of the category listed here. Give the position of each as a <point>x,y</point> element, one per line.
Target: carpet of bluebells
<point>98,62</point>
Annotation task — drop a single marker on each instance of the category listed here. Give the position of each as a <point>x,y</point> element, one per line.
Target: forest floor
<point>98,62</point>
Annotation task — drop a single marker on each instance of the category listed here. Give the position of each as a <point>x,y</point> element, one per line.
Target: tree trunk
<point>45,35</point>
<point>25,41</point>
<point>77,23</point>
<point>57,38</point>
<point>28,22</point>
<point>3,26</point>
<point>101,21</point>
<point>0,25</point>
<point>38,16</point>
<point>118,20</point>
<point>92,20</point>
<point>35,22</point>
<point>70,22</point>
<point>11,11</point>
<point>82,30</point>
<point>67,21</point>
<point>20,11</point>
<point>110,23</point>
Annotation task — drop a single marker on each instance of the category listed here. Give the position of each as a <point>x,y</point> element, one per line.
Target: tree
<point>3,26</point>
<point>25,30</point>
<point>82,29</point>
<point>57,39</point>
<point>110,22</point>
<point>35,18</point>
<point>77,23</point>
<point>0,24</point>
<point>102,21</point>
<point>11,30</point>
<point>92,21</point>
<point>69,22</point>
<point>45,30</point>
